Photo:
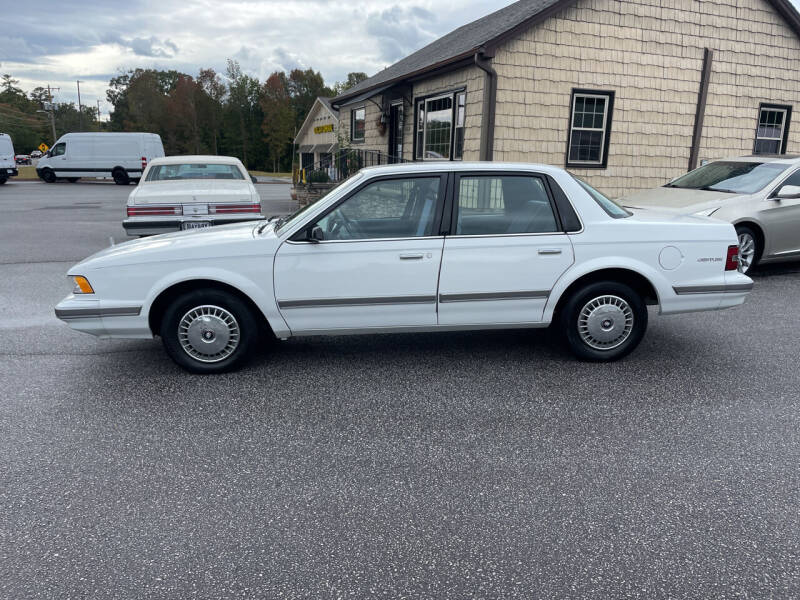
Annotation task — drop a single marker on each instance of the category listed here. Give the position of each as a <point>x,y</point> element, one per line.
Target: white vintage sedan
<point>191,192</point>
<point>423,247</point>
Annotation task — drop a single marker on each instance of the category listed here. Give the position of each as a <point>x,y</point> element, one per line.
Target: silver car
<point>760,195</point>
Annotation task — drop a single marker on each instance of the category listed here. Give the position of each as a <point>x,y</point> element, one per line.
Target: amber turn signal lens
<point>82,285</point>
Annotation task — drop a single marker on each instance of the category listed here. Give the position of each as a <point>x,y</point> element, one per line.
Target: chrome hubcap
<point>747,251</point>
<point>605,322</point>
<point>208,333</point>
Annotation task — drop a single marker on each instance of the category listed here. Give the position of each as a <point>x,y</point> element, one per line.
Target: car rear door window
<point>392,208</point>
<point>503,205</point>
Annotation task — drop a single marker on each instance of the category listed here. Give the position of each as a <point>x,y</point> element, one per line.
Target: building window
<point>358,122</point>
<point>772,131</point>
<point>590,128</point>
<point>440,127</point>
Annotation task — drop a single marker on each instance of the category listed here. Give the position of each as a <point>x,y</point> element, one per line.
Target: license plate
<point>196,225</point>
<point>10,170</point>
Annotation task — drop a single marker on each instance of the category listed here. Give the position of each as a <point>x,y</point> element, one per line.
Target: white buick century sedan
<point>423,247</point>
<point>191,192</point>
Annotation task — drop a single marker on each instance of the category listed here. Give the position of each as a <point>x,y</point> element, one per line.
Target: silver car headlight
<point>707,212</point>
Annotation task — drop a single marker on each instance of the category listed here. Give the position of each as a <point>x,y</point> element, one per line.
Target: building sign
<point>324,128</point>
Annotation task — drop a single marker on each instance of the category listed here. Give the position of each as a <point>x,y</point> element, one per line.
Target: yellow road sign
<point>44,147</point>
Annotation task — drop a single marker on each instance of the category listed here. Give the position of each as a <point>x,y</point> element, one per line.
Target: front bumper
<point>154,226</point>
<point>102,318</point>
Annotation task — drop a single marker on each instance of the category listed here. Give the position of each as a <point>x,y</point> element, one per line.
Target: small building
<point>625,94</point>
<point>317,140</point>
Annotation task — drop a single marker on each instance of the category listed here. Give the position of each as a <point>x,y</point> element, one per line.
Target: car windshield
<point>298,214</point>
<point>193,171</point>
<point>734,177</point>
<point>612,208</point>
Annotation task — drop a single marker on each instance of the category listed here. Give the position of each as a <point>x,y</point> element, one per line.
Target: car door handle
<point>549,251</point>
<point>412,256</point>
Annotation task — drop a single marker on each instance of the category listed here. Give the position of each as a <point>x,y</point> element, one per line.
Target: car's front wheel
<point>48,176</point>
<point>749,248</point>
<point>208,331</point>
<point>604,321</point>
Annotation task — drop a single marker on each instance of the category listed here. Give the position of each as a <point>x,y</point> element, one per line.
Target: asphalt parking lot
<point>457,465</point>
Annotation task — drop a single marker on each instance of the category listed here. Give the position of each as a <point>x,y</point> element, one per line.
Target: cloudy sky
<point>61,41</point>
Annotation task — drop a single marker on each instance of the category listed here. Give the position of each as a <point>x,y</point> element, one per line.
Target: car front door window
<point>392,208</point>
<point>58,149</point>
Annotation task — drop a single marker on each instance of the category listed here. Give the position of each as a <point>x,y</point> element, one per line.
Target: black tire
<point>745,233</point>
<point>206,301</point>
<point>605,297</point>
<point>121,177</point>
<point>3,180</point>
<point>73,179</point>
<point>48,176</point>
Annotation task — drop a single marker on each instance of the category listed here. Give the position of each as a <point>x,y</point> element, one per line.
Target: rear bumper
<point>103,319</point>
<point>698,297</point>
<point>154,226</point>
<point>9,172</point>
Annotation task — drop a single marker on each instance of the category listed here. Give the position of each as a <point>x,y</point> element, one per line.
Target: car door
<point>376,264</point>
<point>58,158</point>
<point>781,219</point>
<point>505,253</point>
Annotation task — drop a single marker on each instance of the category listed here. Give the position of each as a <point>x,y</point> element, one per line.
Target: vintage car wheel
<point>208,331</point>
<point>604,321</point>
<point>749,248</point>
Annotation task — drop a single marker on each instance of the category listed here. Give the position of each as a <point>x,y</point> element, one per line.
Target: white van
<point>122,156</point>
<point>8,166</point>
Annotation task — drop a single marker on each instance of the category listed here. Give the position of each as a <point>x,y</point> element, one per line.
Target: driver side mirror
<point>314,235</point>
<point>253,179</point>
<point>788,192</point>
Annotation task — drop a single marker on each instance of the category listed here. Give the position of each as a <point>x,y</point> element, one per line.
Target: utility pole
<point>52,110</point>
<point>80,110</point>
<point>98,110</point>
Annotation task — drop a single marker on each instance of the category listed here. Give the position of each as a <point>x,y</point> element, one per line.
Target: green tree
<point>278,117</point>
<point>352,80</point>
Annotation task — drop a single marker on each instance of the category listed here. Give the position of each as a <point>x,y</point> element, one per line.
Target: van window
<point>194,171</point>
<point>58,149</point>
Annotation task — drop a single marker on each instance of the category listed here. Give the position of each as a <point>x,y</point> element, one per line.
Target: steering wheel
<point>341,222</point>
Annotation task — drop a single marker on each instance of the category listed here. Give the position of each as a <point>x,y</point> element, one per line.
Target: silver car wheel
<point>747,251</point>
<point>208,333</point>
<point>605,322</point>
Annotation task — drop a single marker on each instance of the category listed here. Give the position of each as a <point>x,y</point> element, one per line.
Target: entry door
<point>782,219</point>
<point>376,266</point>
<point>396,132</point>
<point>506,253</point>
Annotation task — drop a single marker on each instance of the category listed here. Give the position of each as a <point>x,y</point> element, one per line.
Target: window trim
<point>453,94</point>
<point>609,114</point>
<point>296,237</point>
<point>456,187</point>
<point>353,112</point>
<point>787,108</point>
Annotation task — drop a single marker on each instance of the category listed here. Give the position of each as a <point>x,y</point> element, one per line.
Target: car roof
<point>177,160</point>
<point>763,158</point>
<point>456,166</point>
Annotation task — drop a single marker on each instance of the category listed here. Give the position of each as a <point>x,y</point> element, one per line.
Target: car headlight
<point>707,212</point>
<point>82,285</point>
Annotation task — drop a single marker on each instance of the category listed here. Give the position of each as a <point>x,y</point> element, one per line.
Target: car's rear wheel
<point>208,331</point>
<point>604,321</point>
<point>121,177</point>
<point>749,247</point>
<point>3,180</point>
<point>48,176</point>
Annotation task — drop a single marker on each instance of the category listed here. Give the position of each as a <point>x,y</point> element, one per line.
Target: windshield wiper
<point>708,188</point>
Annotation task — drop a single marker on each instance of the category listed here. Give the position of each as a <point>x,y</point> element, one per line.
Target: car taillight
<point>144,162</point>
<point>732,261</point>
<point>147,211</point>
<point>226,209</point>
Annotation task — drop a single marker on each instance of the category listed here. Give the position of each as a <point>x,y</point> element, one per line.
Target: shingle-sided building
<point>627,94</point>
<point>316,141</point>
